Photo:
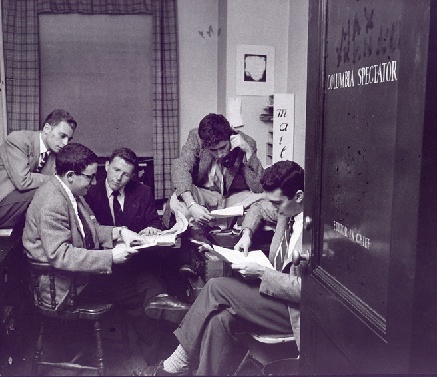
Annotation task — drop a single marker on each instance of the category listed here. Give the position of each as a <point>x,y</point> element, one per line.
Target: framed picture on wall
<point>255,70</point>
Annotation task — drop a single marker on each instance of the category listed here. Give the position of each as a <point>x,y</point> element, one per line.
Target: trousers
<point>225,307</point>
<point>13,208</point>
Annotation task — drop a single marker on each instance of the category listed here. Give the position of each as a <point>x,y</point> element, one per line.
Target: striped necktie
<point>42,161</point>
<point>89,240</point>
<point>282,252</point>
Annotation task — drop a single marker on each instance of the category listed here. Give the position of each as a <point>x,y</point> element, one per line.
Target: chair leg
<point>38,350</point>
<point>98,333</point>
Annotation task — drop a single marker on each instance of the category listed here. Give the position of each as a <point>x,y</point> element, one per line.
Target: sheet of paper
<point>234,256</point>
<point>228,212</point>
<point>180,226</point>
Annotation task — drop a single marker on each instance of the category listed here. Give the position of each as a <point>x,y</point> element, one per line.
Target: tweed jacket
<point>195,162</point>
<point>280,284</point>
<point>19,156</point>
<point>139,209</point>
<point>52,235</point>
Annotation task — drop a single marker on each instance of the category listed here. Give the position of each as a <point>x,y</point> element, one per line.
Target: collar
<point>109,190</point>
<point>42,146</point>
<point>298,219</point>
<point>68,191</point>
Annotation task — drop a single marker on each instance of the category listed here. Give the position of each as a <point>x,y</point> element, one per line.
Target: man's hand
<point>238,141</point>
<point>149,231</point>
<point>130,238</point>
<point>121,254</point>
<point>244,243</point>
<point>249,270</point>
<point>200,214</point>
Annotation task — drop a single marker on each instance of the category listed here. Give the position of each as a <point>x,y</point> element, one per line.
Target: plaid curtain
<point>20,34</point>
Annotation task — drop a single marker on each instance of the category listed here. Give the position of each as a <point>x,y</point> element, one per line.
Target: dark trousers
<point>225,307</point>
<point>13,208</point>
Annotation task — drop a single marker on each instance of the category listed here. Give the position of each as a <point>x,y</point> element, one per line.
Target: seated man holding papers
<point>262,298</point>
<point>120,200</point>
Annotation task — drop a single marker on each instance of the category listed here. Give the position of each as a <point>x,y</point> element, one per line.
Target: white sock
<point>178,362</point>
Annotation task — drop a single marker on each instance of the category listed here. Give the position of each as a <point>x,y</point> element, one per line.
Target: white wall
<point>257,22</point>
<point>198,62</point>
<point>207,66</point>
<point>297,72</point>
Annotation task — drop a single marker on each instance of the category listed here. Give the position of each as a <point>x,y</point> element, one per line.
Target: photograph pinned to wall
<point>255,70</point>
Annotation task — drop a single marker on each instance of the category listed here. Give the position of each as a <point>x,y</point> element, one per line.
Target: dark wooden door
<point>369,291</point>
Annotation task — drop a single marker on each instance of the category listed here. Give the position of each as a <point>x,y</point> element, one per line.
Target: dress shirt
<point>73,203</point>
<point>216,173</point>
<point>297,231</point>
<point>121,196</point>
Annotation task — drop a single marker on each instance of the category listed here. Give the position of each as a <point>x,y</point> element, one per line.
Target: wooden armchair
<point>71,311</point>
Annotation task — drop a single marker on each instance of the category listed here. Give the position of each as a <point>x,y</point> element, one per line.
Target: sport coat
<point>52,235</point>
<point>281,284</point>
<point>139,209</point>
<point>19,157</point>
<point>195,162</point>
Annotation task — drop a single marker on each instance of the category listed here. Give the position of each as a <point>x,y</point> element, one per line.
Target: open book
<point>234,256</point>
<point>166,237</point>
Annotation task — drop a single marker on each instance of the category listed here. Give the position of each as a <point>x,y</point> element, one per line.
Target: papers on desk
<point>166,237</point>
<point>234,256</point>
<point>228,212</point>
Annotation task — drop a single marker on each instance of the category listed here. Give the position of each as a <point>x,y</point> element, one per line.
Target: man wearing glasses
<point>61,230</point>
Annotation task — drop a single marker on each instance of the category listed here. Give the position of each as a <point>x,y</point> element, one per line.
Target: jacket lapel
<point>130,208</point>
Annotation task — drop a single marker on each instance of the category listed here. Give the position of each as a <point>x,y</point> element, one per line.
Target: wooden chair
<point>264,350</point>
<point>71,312</point>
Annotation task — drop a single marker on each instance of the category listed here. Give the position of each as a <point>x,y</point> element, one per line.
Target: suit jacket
<point>52,235</point>
<point>19,156</point>
<point>139,209</point>
<point>281,284</point>
<point>195,162</point>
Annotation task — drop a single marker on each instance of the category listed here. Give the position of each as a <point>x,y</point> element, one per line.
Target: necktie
<point>118,213</point>
<point>89,241</point>
<point>42,161</point>
<point>281,255</point>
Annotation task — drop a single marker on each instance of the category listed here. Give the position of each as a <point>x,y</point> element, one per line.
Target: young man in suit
<point>27,159</point>
<point>134,202</point>
<point>217,168</point>
<point>119,200</point>
<point>61,230</point>
<point>263,299</point>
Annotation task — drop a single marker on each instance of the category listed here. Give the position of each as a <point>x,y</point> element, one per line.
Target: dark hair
<point>213,129</point>
<point>286,175</point>
<point>126,154</point>
<point>59,115</point>
<point>74,157</point>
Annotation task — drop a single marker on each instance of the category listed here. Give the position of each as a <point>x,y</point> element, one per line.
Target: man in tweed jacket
<point>202,177</point>
<point>262,299</point>
<point>62,231</point>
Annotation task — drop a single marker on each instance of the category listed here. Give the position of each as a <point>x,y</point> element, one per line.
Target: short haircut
<point>126,154</point>
<point>59,115</point>
<point>74,157</point>
<point>285,175</point>
<point>213,129</point>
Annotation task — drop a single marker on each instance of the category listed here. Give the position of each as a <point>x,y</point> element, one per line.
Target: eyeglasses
<point>89,176</point>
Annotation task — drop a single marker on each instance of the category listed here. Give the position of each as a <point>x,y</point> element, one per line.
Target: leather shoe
<point>167,307</point>
<point>158,370</point>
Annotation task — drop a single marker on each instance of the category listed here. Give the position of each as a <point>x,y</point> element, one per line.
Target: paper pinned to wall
<point>234,113</point>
